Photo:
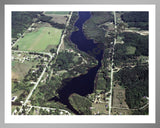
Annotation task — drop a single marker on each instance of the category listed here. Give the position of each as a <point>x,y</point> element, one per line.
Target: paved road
<point>111,83</point>
<point>21,36</point>
<point>47,108</point>
<point>35,86</point>
<point>62,38</point>
<point>39,79</point>
<point>46,65</point>
<point>53,109</point>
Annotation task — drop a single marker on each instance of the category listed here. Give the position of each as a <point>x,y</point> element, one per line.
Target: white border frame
<point>79,119</point>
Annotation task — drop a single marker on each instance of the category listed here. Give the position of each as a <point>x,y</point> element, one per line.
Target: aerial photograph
<point>80,63</point>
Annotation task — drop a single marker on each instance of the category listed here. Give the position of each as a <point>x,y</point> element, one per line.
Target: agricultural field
<point>99,109</point>
<point>60,19</point>
<point>119,105</point>
<point>39,40</point>
<point>119,97</point>
<point>19,70</point>
<point>117,111</point>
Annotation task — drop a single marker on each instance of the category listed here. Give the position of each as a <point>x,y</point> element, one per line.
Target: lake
<point>83,84</point>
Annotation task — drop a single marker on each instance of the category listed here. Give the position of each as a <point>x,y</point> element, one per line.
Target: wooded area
<point>80,104</point>
<point>136,19</point>
<point>21,21</point>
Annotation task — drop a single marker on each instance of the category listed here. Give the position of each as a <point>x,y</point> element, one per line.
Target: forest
<point>136,19</point>
<point>92,27</point>
<point>80,104</point>
<point>21,21</point>
<point>135,45</point>
<point>135,80</point>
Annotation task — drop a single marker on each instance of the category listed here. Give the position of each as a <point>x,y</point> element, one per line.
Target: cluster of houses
<point>31,28</point>
<point>101,98</point>
<point>21,57</point>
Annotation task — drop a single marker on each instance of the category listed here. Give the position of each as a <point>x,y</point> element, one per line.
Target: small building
<point>14,98</point>
<point>21,102</point>
<point>61,113</point>
<point>12,58</point>
<point>19,55</point>
<point>29,29</point>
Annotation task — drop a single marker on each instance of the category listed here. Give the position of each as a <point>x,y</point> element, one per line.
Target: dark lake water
<point>83,84</point>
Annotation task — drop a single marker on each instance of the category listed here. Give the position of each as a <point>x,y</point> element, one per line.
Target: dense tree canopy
<point>80,104</point>
<point>135,45</point>
<point>135,81</point>
<point>136,19</point>
<point>21,21</point>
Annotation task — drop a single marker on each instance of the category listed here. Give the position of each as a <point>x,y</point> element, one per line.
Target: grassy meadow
<point>39,40</point>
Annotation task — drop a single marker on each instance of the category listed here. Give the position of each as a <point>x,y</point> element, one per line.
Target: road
<point>134,108</point>
<point>21,36</point>
<point>47,108</point>
<point>45,53</point>
<point>39,79</point>
<point>111,81</point>
<point>142,32</point>
<point>62,38</point>
<point>35,86</point>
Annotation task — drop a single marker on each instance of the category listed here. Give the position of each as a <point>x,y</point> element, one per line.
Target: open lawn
<point>57,12</point>
<point>40,39</point>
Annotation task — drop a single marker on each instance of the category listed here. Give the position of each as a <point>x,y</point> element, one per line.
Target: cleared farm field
<point>19,70</point>
<point>39,40</point>
<point>57,12</point>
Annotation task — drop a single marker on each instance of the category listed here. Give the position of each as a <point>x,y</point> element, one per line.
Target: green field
<point>40,39</point>
<point>58,13</point>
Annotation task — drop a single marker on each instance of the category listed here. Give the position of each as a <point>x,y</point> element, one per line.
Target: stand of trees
<point>136,19</point>
<point>64,60</point>
<point>138,44</point>
<point>92,29</point>
<point>135,81</point>
<point>80,104</point>
<point>21,21</point>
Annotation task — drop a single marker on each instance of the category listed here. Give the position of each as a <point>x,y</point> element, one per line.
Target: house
<point>14,98</point>
<point>29,29</point>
